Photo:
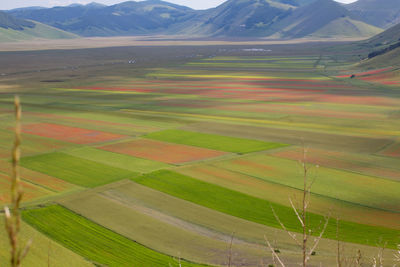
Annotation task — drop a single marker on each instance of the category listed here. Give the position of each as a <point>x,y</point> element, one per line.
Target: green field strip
<point>259,210</point>
<point>315,139</point>
<point>213,141</point>
<point>158,230</point>
<point>280,194</point>
<point>78,171</point>
<point>117,160</point>
<point>311,125</point>
<point>42,252</point>
<point>93,241</point>
<point>254,58</point>
<point>129,202</point>
<point>337,184</point>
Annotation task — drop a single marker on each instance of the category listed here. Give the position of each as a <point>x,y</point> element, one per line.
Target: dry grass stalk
<point>13,216</point>
<point>397,254</point>
<point>303,243</point>
<point>378,261</point>
<point>230,250</point>
<point>178,261</point>
<point>358,259</point>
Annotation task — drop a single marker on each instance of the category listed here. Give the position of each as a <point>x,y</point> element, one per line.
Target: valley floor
<point>160,156</point>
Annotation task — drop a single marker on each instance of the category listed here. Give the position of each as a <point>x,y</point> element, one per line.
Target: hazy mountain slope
<point>13,29</point>
<point>39,30</point>
<point>381,13</point>
<point>321,18</point>
<point>391,58</point>
<point>122,19</point>
<point>234,18</point>
<point>296,2</point>
<point>10,22</point>
<point>237,18</point>
<point>388,37</point>
<point>346,27</point>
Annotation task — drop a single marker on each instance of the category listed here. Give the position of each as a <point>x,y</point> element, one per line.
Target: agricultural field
<point>150,163</point>
<point>254,209</point>
<point>162,151</point>
<point>93,241</point>
<point>223,143</point>
<point>82,172</point>
<point>154,219</point>
<point>44,252</point>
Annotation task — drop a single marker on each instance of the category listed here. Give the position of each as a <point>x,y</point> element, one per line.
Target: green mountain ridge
<point>38,31</point>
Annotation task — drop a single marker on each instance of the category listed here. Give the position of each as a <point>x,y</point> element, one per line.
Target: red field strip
<point>5,153</point>
<point>372,72</point>
<point>230,85</point>
<point>69,134</point>
<point>37,178</point>
<point>94,122</point>
<point>274,95</point>
<point>359,100</point>
<point>162,152</point>
<point>30,191</point>
<point>392,151</point>
<point>188,89</point>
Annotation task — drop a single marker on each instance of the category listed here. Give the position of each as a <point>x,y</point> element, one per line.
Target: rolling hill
<point>234,18</point>
<point>380,13</point>
<point>13,29</point>
<point>127,18</point>
<point>384,48</point>
<point>386,38</point>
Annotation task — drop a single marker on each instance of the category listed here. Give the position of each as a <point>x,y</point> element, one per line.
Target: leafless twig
<point>301,214</point>
<point>274,254</point>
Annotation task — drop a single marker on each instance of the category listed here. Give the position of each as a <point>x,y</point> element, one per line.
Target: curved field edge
<point>94,242</point>
<point>168,224</point>
<point>259,210</point>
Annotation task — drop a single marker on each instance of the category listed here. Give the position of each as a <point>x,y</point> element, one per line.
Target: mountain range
<point>234,18</point>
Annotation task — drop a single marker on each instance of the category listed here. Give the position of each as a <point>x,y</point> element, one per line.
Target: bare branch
<point>295,211</point>
<point>273,252</point>
<point>292,235</point>
<point>316,242</point>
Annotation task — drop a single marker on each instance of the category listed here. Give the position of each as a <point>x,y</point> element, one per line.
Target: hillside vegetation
<point>9,22</point>
<point>40,31</point>
<point>233,18</point>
